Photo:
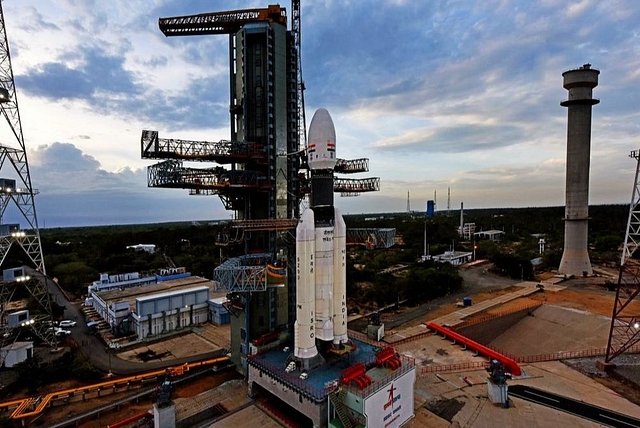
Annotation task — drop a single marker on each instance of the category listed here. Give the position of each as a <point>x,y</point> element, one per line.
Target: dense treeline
<point>76,256</point>
<point>523,228</point>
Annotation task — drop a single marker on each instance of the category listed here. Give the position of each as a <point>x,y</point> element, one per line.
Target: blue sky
<point>438,95</point>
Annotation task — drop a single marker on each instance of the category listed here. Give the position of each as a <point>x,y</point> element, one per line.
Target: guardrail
<point>455,367</point>
<point>408,364</point>
<point>508,362</point>
<point>540,358</point>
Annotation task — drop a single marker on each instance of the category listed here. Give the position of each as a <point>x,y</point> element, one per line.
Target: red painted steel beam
<point>510,364</point>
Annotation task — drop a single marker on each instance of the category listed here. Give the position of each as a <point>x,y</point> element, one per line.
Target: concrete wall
<point>485,332</point>
<point>317,412</point>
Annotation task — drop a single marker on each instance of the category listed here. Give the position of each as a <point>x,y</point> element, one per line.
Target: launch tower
<point>580,84</point>
<point>261,175</point>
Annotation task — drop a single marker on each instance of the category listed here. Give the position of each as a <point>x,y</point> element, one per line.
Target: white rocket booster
<point>321,308</point>
<point>339,280</point>
<point>304,327</point>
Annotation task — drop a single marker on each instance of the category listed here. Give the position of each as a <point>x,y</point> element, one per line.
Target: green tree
<point>30,374</point>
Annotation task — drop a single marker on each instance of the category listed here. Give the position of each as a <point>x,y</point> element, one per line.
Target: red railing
<point>407,365</point>
<point>509,363</point>
<point>455,367</point>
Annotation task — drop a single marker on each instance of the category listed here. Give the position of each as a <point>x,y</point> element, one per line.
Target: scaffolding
<point>624,331</point>
<point>20,192</point>
<point>372,238</point>
<point>243,274</point>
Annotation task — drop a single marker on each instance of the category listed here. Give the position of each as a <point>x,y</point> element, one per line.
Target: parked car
<point>67,323</point>
<point>61,332</point>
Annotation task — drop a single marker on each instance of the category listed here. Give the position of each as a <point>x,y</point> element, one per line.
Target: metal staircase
<point>337,399</point>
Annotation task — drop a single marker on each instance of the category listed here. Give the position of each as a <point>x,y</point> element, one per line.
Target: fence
<point>556,356</point>
<point>455,367</point>
<point>568,355</point>
<point>411,338</point>
<point>361,337</point>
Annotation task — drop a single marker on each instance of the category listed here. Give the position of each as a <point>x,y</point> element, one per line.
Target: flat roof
<point>175,285</point>
<point>17,345</point>
<point>170,293</point>
<point>490,232</point>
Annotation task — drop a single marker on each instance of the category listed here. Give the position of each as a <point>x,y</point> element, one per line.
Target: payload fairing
<point>321,236</point>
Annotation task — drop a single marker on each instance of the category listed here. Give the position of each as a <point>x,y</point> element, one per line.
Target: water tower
<point>580,84</point>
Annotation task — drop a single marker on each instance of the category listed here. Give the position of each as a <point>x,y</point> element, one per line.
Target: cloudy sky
<point>439,95</point>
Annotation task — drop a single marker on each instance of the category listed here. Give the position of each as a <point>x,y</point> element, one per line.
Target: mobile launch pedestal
<point>321,237</point>
<point>328,378</point>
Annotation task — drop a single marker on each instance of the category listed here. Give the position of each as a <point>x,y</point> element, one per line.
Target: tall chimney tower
<point>580,84</point>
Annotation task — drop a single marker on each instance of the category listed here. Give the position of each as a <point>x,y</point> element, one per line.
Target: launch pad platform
<point>357,385</point>
<point>318,382</point>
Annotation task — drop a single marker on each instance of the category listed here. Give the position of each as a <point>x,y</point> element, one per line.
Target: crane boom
<point>220,22</point>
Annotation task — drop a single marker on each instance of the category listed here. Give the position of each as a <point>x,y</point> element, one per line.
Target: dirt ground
<point>583,293</point>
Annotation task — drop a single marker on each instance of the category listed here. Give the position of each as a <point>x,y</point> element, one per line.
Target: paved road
<point>476,279</point>
<point>569,405</point>
<point>92,346</point>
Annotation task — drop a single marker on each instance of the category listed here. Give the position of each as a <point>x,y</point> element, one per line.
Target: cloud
<point>436,94</point>
<point>452,139</point>
<point>75,190</point>
<point>61,168</point>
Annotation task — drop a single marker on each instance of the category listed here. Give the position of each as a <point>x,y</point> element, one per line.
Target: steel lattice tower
<point>625,323</point>
<point>22,194</point>
<point>15,187</point>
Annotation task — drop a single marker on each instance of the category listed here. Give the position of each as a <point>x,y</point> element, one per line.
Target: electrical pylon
<point>15,187</point>
<point>625,320</point>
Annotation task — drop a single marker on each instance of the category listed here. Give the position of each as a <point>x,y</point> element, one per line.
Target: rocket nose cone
<point>321,128</point>
<point>321,141</point>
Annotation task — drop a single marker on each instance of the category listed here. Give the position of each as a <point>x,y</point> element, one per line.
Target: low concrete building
<point>18,318</point>
<point>492,235</point>
<point>219,314</point>
<point>135,279</point>
<point>155,309</point>
<point>16,353</point>
<point>454,257</point>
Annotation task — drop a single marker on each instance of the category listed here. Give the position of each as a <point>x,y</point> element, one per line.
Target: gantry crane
<point>625,319</point>
<point>17,190</point>
<point>261,174</point>
<point>229,184</point>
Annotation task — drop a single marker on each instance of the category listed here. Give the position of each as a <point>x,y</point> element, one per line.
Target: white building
<point>492,235</point>
<point>16,353</point>
<point>156,308</point>
<point>454,257</point>
<point>134,279</point>
<point>149,248</point>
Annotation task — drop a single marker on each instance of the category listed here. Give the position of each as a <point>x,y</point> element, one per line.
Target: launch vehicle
<point>321,307</point>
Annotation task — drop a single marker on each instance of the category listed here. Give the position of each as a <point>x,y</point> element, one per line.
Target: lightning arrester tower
<point>580,83</point>
<point>20,190</point>
<point>15,187</point>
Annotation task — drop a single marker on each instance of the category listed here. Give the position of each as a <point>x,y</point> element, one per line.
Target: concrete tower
<point>579,83</point>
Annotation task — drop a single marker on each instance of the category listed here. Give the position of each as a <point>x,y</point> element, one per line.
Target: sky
<point>443,97</point>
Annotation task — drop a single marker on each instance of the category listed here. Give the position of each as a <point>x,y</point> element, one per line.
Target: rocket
<point>321,236</point>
